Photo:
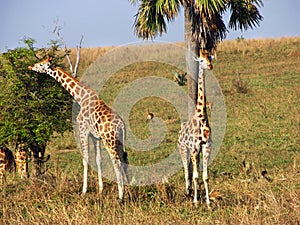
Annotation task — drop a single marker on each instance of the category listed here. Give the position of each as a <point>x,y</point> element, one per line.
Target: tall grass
<point>262,137</point>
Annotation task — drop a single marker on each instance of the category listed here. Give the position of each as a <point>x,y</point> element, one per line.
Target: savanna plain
<point>254,178</point>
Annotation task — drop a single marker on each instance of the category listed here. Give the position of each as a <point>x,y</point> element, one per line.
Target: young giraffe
<point>7,162</point>
<point>95,118</point>
<point>195,135</point>
<point>21,159</point>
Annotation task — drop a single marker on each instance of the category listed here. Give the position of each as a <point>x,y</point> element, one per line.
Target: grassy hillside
<point>260,80</point>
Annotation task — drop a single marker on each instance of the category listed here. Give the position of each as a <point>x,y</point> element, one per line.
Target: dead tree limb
<point>78,48</point>
<point>74,71</point>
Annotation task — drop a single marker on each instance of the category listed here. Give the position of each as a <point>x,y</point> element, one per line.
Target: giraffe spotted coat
<point>195,136</point>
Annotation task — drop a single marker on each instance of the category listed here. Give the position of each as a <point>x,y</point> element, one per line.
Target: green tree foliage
<point>32,106</point>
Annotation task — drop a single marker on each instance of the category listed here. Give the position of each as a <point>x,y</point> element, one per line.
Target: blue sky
<point>106,23</point>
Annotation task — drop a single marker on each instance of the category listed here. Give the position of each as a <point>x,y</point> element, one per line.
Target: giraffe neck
<point>78,90</point>
<point>201,100</point>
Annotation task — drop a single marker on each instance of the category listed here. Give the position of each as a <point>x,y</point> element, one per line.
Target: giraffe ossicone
<point>95,119</point>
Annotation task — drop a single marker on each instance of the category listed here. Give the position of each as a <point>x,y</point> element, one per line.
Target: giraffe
<point>21,159</point>
<point>95,118</point>
<point>195,135</point>
<point>7,162</point>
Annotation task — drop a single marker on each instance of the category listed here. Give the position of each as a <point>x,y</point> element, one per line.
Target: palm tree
<point>204,25</point>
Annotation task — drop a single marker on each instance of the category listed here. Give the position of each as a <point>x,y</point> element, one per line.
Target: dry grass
<point>57,200</point>
<point>262,135</point>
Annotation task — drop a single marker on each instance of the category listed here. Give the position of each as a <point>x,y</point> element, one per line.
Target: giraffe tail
<point>125,158</point>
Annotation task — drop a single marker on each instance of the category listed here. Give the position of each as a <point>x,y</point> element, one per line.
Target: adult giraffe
<point>95,118</point>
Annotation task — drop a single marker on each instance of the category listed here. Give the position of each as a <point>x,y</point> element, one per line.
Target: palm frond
<point>150,21</point>
<point>208,27</point>
<point>211,6</point>
<point>168,8</point>
<point>244,14</point>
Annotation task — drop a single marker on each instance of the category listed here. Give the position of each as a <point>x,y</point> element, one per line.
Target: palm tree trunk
<point>192,49</point>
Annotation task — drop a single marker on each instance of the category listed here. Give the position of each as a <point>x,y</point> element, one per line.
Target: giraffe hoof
<point>121,201</point>
<point>83,193</point>
<point>195,204</point>
<point>188,194</point>
<point>209,208</point>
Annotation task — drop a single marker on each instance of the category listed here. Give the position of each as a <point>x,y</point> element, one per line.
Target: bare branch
<point>56,31</point>
<point>78,48</point>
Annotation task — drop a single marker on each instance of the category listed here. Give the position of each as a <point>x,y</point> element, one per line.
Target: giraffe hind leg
<point>118,169</point>
<point>117,164</point>
<point>124,168</point>
<point>85,152</point>
<point>2,177</point>
<point>187,167</point>
<point>123,156</point>
<point>97,146</point>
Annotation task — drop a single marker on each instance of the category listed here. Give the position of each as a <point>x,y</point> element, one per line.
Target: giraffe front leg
<point>85,152</point>
<point>206,152</point>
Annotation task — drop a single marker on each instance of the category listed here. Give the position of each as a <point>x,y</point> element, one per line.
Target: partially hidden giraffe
<point>21,159</point>
<point>195,135</point>
<point>7,162</point>
<point>10,162</point>
<point>97,119</point>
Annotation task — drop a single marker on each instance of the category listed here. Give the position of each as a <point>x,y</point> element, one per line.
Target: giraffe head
<point>205,59</point>
<point>42,66</point>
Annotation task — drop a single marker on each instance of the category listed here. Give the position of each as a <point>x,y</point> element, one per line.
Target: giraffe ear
<point>49,59</point>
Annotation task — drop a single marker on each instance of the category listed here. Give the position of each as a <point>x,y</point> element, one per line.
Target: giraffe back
<point>21,158</point>
<point>7,162</point>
